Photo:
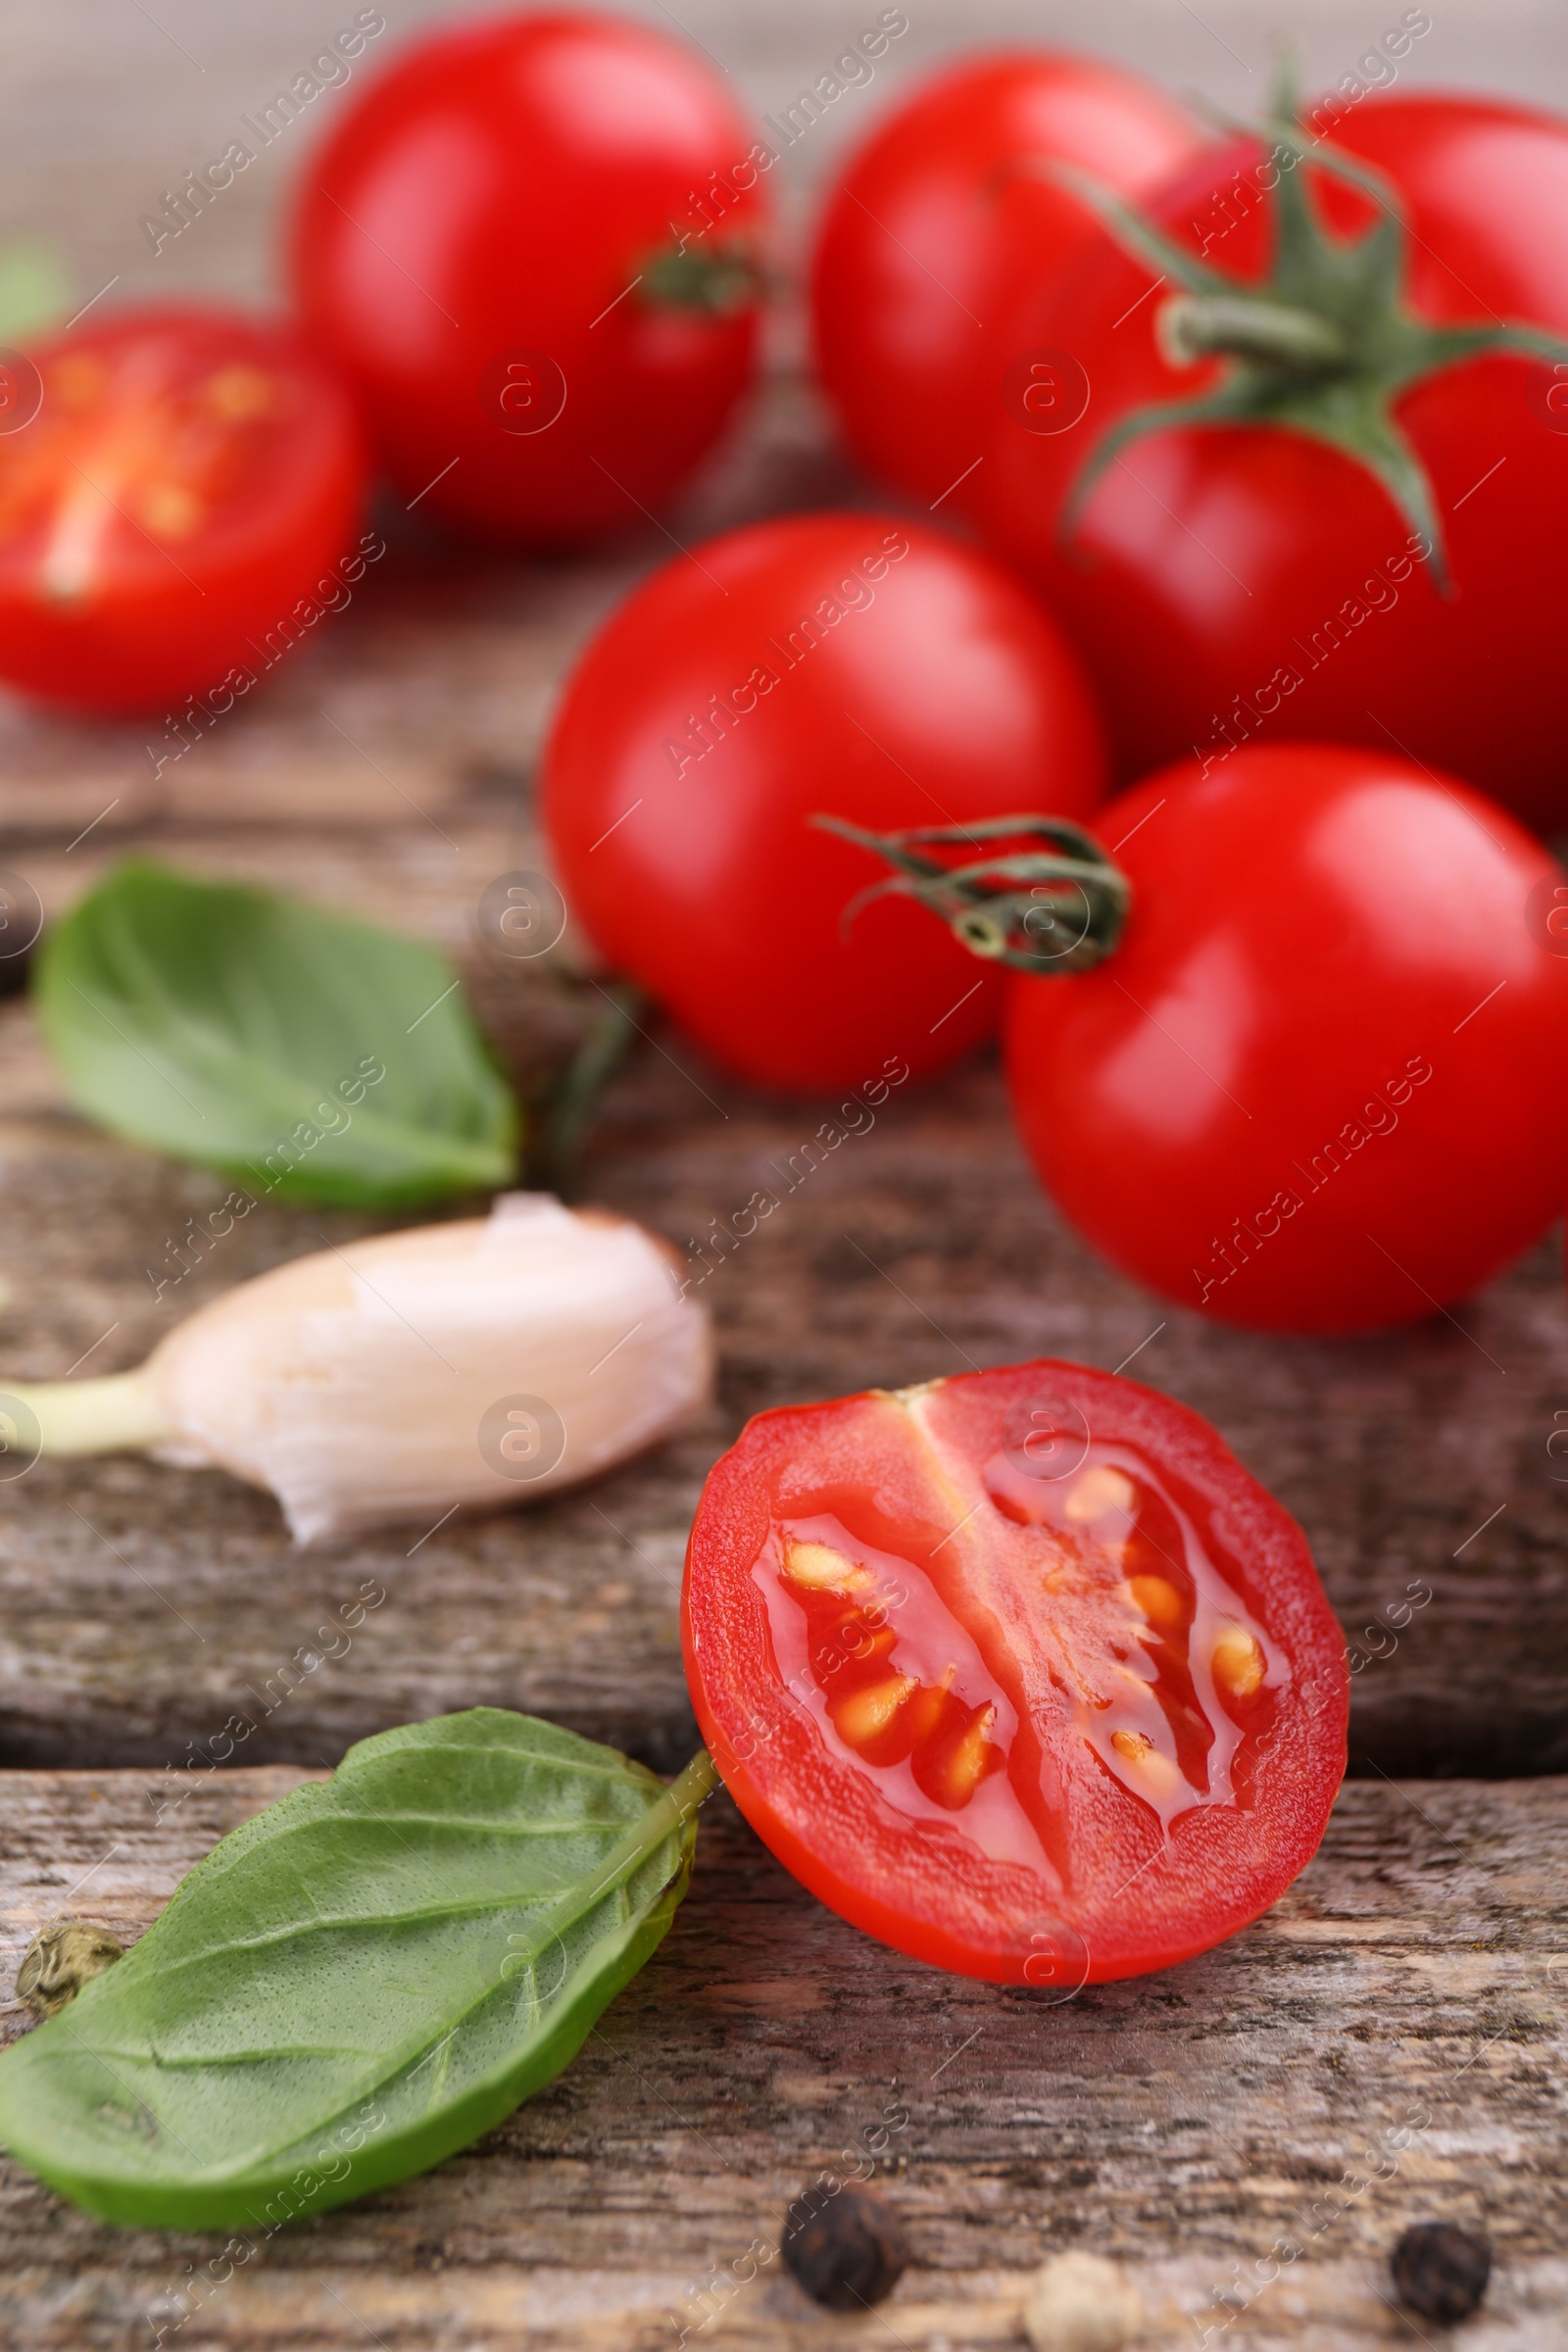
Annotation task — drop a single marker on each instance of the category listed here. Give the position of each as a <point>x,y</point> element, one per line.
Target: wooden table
<point>1186,2122</point>
<point>1385,2045</point>
<point>1406,1996</point>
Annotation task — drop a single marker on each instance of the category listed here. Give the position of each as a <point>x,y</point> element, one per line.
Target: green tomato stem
<point>1197,326</point>
<point>1055,909</point>
<point>688,1790</point>
<point>670,1812</point>
<point>108,1416</point>
<point>1324,346</point>
<point>717,282</point>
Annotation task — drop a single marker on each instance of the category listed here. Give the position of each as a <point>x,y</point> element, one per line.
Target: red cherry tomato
<point>180,480</point>
<point>1230,582</point>
<point>1021,1672</point>
<point>485,245</point>
<point>941,220</point>
<point>1310,1088</point>
<point>847,664</point>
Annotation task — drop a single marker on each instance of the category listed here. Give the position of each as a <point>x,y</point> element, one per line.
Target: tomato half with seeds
<point>1021,1672</point>
<point>183,478</point>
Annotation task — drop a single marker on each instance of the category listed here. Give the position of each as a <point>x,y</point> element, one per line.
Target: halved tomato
<point>177,487</point>
<point>1021,1672</point>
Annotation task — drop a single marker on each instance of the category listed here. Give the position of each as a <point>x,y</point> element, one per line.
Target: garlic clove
<point>485,1362</point>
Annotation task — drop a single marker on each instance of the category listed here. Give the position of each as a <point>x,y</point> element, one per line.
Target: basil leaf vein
<point>360,1979</point>
<point>234,1027</point>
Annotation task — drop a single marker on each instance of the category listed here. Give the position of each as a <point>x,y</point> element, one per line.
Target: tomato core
<point>1129,1609</point>
<point>131,445</point>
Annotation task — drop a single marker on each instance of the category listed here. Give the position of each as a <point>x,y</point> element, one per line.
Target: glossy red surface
<point>1238,583</point>
<point>844,663</point>
<point>192,478</point>
<point>472,243</point>
<point>941,220</point>
<point>1021,1672</point>
<point>1314,1088</point>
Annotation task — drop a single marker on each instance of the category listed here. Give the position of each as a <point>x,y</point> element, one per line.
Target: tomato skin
<point>940,694</point>
<point>493,193</point>
<point>932,234</point>
<point>1252,582</point>
<point>1311,925</point>
<point>152,614</point>
<point>901,1471</point>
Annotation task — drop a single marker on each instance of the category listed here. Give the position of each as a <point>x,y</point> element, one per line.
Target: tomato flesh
<point>188,475</point>
<point>1020,1671</point>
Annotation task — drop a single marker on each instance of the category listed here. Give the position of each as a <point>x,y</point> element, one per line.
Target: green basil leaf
<point>244,1030</point>
<point>358,1980</point>
<point>35,289</point>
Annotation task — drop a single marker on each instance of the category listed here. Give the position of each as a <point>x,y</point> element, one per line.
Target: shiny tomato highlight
<point>1315,1086</point>
<point>842,663</point>
<point>1021,1672</point>
<point>186,477</point>
<point>942,220</point>
<point>527,246</point>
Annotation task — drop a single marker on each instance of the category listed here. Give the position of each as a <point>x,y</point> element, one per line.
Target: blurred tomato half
<point>174,484</point>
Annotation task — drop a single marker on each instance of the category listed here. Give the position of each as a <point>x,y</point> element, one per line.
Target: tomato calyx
<point>1323,346</point>
<point>715,284</point>
<point>1057,908</point>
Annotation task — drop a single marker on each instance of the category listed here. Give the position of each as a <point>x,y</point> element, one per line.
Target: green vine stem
<point>574,1100</point>
<point>1059,908</point>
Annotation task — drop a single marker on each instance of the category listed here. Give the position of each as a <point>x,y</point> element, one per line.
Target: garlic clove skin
<point>1081,2303</point>
<point>485,1362</point>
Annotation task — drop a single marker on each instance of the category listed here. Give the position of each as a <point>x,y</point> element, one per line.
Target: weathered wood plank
<point>1404,1998</point>
<point>141,1608</point>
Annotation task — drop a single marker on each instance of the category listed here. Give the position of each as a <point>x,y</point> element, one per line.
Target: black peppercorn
<point>845,2246</point>
<point>1440,2271</point>
<point>14,961</point>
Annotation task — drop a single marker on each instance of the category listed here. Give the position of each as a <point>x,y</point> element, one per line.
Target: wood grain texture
<point>388,766</point>
<point>1398,2019</point>
<point>143,1609</point>
<point>1184,2124</point>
